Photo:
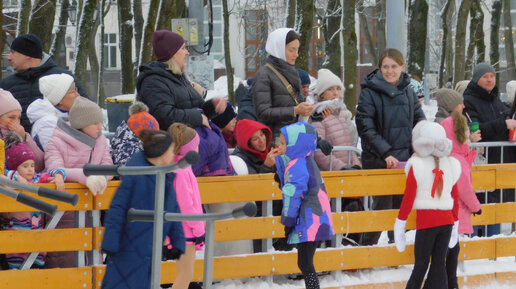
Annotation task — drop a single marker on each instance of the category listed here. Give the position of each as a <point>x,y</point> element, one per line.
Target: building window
<point>110,47</point>
<point>255,38</point>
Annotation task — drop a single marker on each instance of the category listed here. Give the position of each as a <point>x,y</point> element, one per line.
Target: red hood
<point>244,129</point>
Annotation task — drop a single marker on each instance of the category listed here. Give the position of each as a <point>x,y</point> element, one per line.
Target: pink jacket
<point>40,162</point>
<point>71,149</point>
<point>468,202</point>
<point>339,130</point>
<point>189,199</point>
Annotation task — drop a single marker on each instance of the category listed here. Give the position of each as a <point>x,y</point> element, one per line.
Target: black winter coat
<point>24,85</point>
<point>254,164</point>
<point>273,105</point>
<point>170,97</point>
<point>491,113</point>
<point>385,117</point>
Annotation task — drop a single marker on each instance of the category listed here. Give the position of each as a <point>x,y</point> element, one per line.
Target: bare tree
<point>306,11</point>
<point>418,14</point>
<point>40,22</point>
<point>125,26</point>
<point>227,54</point>
<point>494,53</point>
<point>291,13</point>
<point>446,68</point>
<point>476,46</point>
<point>349,38</point>
<point>364,31</point>
<point>23,17</point>
<point>59,39</point>
<point>509,44</point>
<point>146,46</point>
<point>138,32</point>
<point>331,31</point>
<point>381,42</point>
<point>460,40</point>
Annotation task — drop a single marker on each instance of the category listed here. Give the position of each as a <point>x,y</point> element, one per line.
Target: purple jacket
<point>213,153</point>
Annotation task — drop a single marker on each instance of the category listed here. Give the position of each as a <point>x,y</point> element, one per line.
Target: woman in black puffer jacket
<point>387,111</point>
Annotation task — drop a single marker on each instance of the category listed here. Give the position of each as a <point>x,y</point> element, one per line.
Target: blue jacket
<point>306,206</point>
<point>131,242</point>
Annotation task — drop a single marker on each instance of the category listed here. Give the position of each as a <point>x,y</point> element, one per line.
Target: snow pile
<point>220,87</point>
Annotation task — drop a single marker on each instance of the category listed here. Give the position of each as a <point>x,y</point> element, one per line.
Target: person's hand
<point>325,146</point>
<point>399,235</point>
<point>205,121</point>
<point>391,162</point>
<point>326,112</point>
<point>479,212</point>
<point>476,136</point>
<point>59,181</point>
<point>22,180</point>
<point>220,104</point>
<point>172,254</point>
<point>288,230</point>
<point>303,109</point>
<point>511,123</point>
<point>96,184</point>
<point>198,88</point>
<point>270,160</point>
<point>17,128</point>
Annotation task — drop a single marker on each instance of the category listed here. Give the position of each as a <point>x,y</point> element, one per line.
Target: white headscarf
<point>275,45</point>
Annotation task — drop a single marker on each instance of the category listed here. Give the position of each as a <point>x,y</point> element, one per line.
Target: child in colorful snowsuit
<point>306,212</point>
<point>430,189</point>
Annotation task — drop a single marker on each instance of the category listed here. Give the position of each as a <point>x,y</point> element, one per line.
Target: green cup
<point>474,126</point>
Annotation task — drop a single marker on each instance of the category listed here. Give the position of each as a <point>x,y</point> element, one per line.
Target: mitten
<point>454,235</point>
<point>479,212</point>
<point>96,184</point>
<point>399,235</point>
<point>172,254</point>
<point>288,230</point>
<point>325,146</point>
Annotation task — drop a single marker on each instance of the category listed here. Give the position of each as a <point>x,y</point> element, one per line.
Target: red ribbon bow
<point>438,176</point>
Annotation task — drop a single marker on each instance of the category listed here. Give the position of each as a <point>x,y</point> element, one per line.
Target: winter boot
<point>311,281</point>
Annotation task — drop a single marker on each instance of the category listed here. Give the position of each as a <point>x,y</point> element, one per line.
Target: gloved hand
<point>172,254</point>
<point>454,235</point>
<point>399,235</point>
<point>325,146</point>
<point>479,212</point>
<point>288,230</point>
<point>108,253</point>
<point>96,184</point>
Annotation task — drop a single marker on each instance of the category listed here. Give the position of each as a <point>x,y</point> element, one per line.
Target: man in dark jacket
<point>483,105</point>
<point>30,63</point>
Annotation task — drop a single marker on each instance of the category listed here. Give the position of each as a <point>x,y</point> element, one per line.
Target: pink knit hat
<point>9,103</point>
<point>16,152</point>
<point>190,146</point>
<point>166,43</point>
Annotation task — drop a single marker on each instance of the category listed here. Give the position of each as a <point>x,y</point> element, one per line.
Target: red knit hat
<point>166,43</point>
<point>16,152</point>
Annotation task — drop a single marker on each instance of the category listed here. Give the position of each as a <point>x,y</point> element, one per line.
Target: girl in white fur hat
<point>430,189</point>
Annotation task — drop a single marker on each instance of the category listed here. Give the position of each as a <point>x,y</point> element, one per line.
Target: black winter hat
<point>224,118</point>
<point>28,44</point>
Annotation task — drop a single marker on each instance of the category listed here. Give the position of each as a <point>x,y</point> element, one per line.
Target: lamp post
<point>72,12</point>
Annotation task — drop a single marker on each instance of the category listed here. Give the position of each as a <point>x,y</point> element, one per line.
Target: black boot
<point>311,281</point>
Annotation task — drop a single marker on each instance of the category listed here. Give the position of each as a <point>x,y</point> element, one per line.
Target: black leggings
<point>431,242</point>
<point>305,262</point>
<point>452,259</point>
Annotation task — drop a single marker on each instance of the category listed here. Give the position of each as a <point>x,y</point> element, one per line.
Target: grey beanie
<point>448,99</point>
<point>84,112</point>
<point>481,69</point>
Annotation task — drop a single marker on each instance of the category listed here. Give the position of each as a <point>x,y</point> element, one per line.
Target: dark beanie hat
<point>28,44</point>
<point>224,118</point>
<point>305,78</point>
<point>481,69</point>
<point>166,43</point>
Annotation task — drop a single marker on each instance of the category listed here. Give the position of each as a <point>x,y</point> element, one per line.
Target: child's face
<point>10,117</point>
<point>332,93</point>
<point>282,146</point>
<point>231,125</point>
<point>92,130</point>
<point>26,169</point>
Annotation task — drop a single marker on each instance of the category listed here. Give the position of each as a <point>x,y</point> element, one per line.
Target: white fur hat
<point>55,86</point>
<point>511,90</point>
<point>429,139</point>
<point>325,80</point>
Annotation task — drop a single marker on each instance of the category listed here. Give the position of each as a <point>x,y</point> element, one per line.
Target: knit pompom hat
<point>140,118</point>
<point>165,44</point>
<point>9,103</point>
<point>448,99</point>
<point>16,152</point>
<point>55,86</point>
<point>325,80</point>
<point>429,139</point>
<point>84,112</point>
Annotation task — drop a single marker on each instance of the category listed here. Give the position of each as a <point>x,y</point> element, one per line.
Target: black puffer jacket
<point>385,117</point>
<point>273,105</point>
<point>24,85</point>
<point>491,113</point>
<point>170,97</point>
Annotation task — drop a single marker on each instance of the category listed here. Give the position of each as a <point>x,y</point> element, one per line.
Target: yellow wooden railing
<point>261,188</point>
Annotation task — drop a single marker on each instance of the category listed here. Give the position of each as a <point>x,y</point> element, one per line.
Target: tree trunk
<point>40,23</point>
<point>331,30</point>
<point>418,13</point>
<point>494,51</point>
<point>509,44</point>
<point>166,13</point>
<point>350,55</point>
<point>381,42</point>
<point>59,39</point>
<point>476,46</point>
<point>83,40</point>
<point>23,17</point>
<point>227,55</point>
<point>460,40</point>
<point>138,32</point>
<point>446,67</point>
<point>306,11</point>
<point>146,46</point>
<point>125,26</point>
<point>291,13</point>
<point>364,30</point>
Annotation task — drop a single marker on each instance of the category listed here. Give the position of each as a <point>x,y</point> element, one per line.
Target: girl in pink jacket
<point>189,200</point>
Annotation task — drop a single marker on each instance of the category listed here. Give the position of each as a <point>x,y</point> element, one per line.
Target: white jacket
<point>43,116</point>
